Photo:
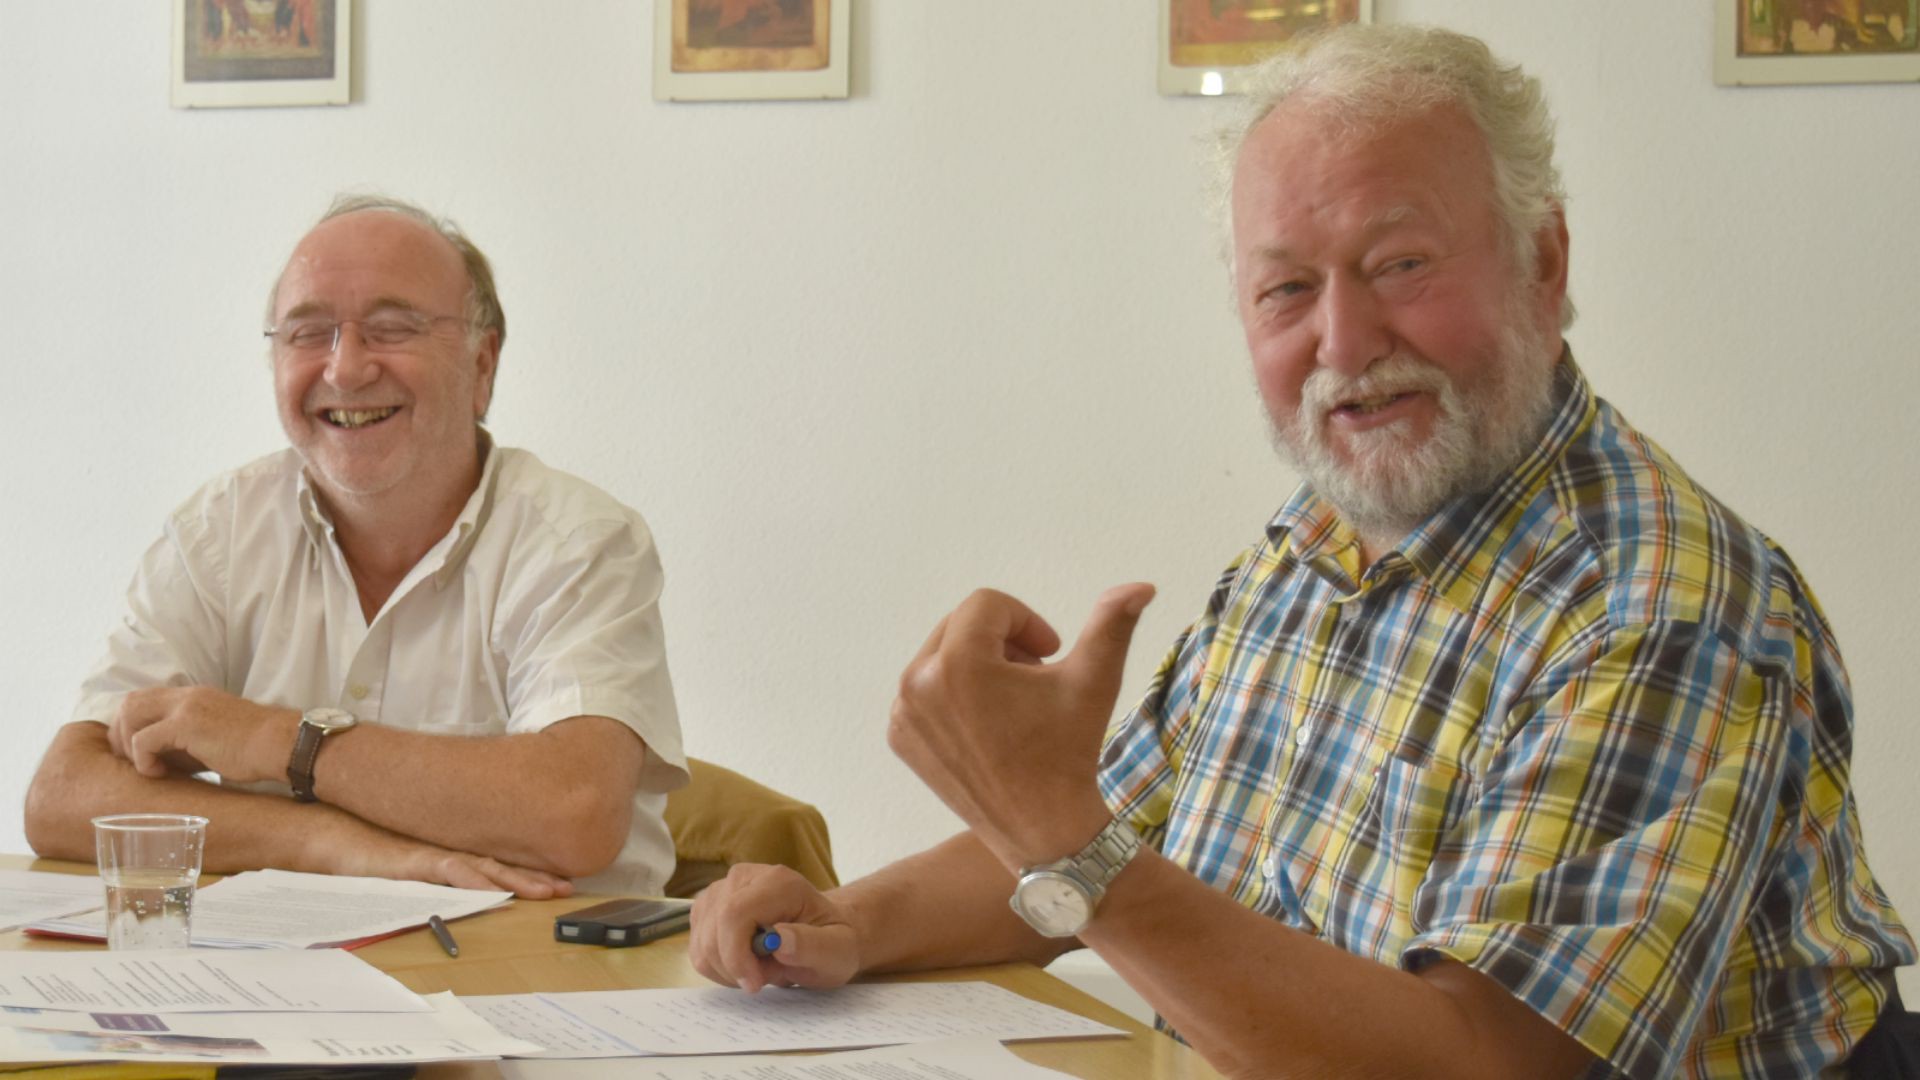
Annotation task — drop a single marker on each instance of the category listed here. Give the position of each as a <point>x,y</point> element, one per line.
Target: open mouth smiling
<point>1371,405</point>
<point>349,419</point>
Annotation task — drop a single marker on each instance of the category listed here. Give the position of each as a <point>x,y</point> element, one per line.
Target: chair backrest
<point>721,818</point>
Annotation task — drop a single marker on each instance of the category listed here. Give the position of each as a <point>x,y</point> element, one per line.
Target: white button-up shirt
<point>540,604</point>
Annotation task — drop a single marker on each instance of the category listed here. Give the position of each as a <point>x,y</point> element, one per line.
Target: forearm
<point>945,907</point>
<point>81,778</point>
<point>1260,999</point>
<point>558,800</point>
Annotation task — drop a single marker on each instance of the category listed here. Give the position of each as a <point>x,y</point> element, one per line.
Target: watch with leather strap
<point>1058,898</point>
<point>315,726</point>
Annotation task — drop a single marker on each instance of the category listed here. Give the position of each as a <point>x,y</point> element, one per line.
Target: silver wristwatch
<point>315,726</point>
<point>1058,898</point>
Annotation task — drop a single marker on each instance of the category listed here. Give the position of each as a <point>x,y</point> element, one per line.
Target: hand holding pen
<point>767,926</point>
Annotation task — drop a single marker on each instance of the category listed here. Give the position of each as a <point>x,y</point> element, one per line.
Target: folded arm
<point>559,799</point>
<point>81,777</point>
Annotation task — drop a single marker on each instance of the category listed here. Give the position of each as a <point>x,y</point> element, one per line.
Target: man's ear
<point>486,360</point>
<point>1550,250</point>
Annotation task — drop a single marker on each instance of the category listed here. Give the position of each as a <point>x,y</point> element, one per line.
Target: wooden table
<point>512,951</point>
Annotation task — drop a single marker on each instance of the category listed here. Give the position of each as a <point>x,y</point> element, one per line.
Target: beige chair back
<point>721,818</point>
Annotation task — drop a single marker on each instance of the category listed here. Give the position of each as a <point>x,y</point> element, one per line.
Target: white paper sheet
<point>282,909</point>
<point>719,1020</point>
<point>30,895</point>
<point>957,1059</point>
<point>556,1032</point>
<point>450,1032</point>
<point>201,980</point>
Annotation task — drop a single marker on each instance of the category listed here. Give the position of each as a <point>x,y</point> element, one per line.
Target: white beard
<point>1389,482</point>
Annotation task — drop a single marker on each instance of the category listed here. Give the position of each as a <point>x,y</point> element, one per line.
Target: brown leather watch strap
<point>315,726</point>
<point>306,748</point>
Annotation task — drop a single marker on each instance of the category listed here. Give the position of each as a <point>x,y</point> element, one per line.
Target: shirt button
<point>1271,867</point>
<point>1302,733</point>
<point>357,691</point>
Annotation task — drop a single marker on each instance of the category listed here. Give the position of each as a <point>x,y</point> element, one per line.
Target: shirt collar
<point>1316,535</point>
<point>466,527</point>
<point>1457,547</point>
<point>313,516</point>
<point>445,557</point>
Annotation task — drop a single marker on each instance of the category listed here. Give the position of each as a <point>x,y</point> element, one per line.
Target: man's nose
<point>350,366</point>
<point>1353,329</point>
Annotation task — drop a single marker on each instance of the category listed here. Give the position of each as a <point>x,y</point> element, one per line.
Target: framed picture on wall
<point>261,52</point>
<point>748,50</point>
<point>1769,42</point>
<point>1206,46</point>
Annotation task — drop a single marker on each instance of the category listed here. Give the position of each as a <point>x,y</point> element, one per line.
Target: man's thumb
<point>1109,629</point>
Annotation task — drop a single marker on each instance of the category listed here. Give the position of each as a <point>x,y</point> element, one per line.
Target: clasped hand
<point>191,729</point>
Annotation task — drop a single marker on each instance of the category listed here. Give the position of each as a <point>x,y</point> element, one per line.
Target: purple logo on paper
<point>129,1022</point>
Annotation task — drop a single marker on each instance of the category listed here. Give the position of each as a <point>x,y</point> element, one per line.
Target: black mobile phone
<point>619,923</point>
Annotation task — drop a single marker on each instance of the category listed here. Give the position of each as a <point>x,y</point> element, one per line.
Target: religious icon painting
<point>261,52</point>
<point>1207,46</point>
<point>1768,42</point>
<point>740,50</point>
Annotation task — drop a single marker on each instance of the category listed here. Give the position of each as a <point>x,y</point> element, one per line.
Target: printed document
<point>721,1020</point>
<point>448,1033</point>
<point>30,895</point>
<point>958,1059</point>
<point>201,980</point>
<point>282,909</point>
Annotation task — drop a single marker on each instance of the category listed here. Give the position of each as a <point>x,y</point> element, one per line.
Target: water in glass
<point>149,909</point>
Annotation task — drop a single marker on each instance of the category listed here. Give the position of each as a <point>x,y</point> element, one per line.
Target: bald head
<point>480,303</point>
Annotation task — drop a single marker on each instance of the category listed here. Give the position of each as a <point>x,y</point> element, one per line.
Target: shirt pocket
<point>1417,802</point>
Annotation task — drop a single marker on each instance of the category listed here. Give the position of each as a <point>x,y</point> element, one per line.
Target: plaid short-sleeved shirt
<point>1588,733</point>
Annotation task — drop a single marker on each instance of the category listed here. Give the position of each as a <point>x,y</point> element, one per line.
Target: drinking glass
<point>150,864</point>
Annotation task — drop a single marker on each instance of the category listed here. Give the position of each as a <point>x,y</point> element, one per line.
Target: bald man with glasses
<point>400,650</point>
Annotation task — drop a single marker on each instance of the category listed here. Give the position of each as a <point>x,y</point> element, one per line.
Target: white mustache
<point>1326,389</point>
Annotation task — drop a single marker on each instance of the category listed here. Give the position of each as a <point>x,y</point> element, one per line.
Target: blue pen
<point>766,942</point>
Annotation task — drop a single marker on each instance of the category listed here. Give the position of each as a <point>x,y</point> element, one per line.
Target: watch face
<point>330,720</point>
<point>1054,904</point>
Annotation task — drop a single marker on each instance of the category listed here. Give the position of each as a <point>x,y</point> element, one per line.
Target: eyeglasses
<point>389,331</point>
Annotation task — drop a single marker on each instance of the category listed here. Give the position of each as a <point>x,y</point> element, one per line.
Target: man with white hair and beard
<point>1506,751</point>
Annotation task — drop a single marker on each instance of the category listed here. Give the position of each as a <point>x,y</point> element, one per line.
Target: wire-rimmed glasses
<point>387,331</point>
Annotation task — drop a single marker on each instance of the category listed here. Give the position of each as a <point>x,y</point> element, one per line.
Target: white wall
<point>853,359</point>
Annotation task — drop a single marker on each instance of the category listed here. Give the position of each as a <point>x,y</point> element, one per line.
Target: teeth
<point>1373,405</point>
<point>353,418</point>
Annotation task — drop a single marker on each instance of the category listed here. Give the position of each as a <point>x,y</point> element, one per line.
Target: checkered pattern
<point>1588,733</point>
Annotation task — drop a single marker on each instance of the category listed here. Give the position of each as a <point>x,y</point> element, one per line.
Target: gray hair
<point>1369,76</point>
<point>483,310</point>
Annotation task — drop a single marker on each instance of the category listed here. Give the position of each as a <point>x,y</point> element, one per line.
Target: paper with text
<point>31,895</point>
<point>958,1059</point>
<point>719,1020</point>
<point>201,980</point>
<point>283,909</point>
<point>450,1032</point>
